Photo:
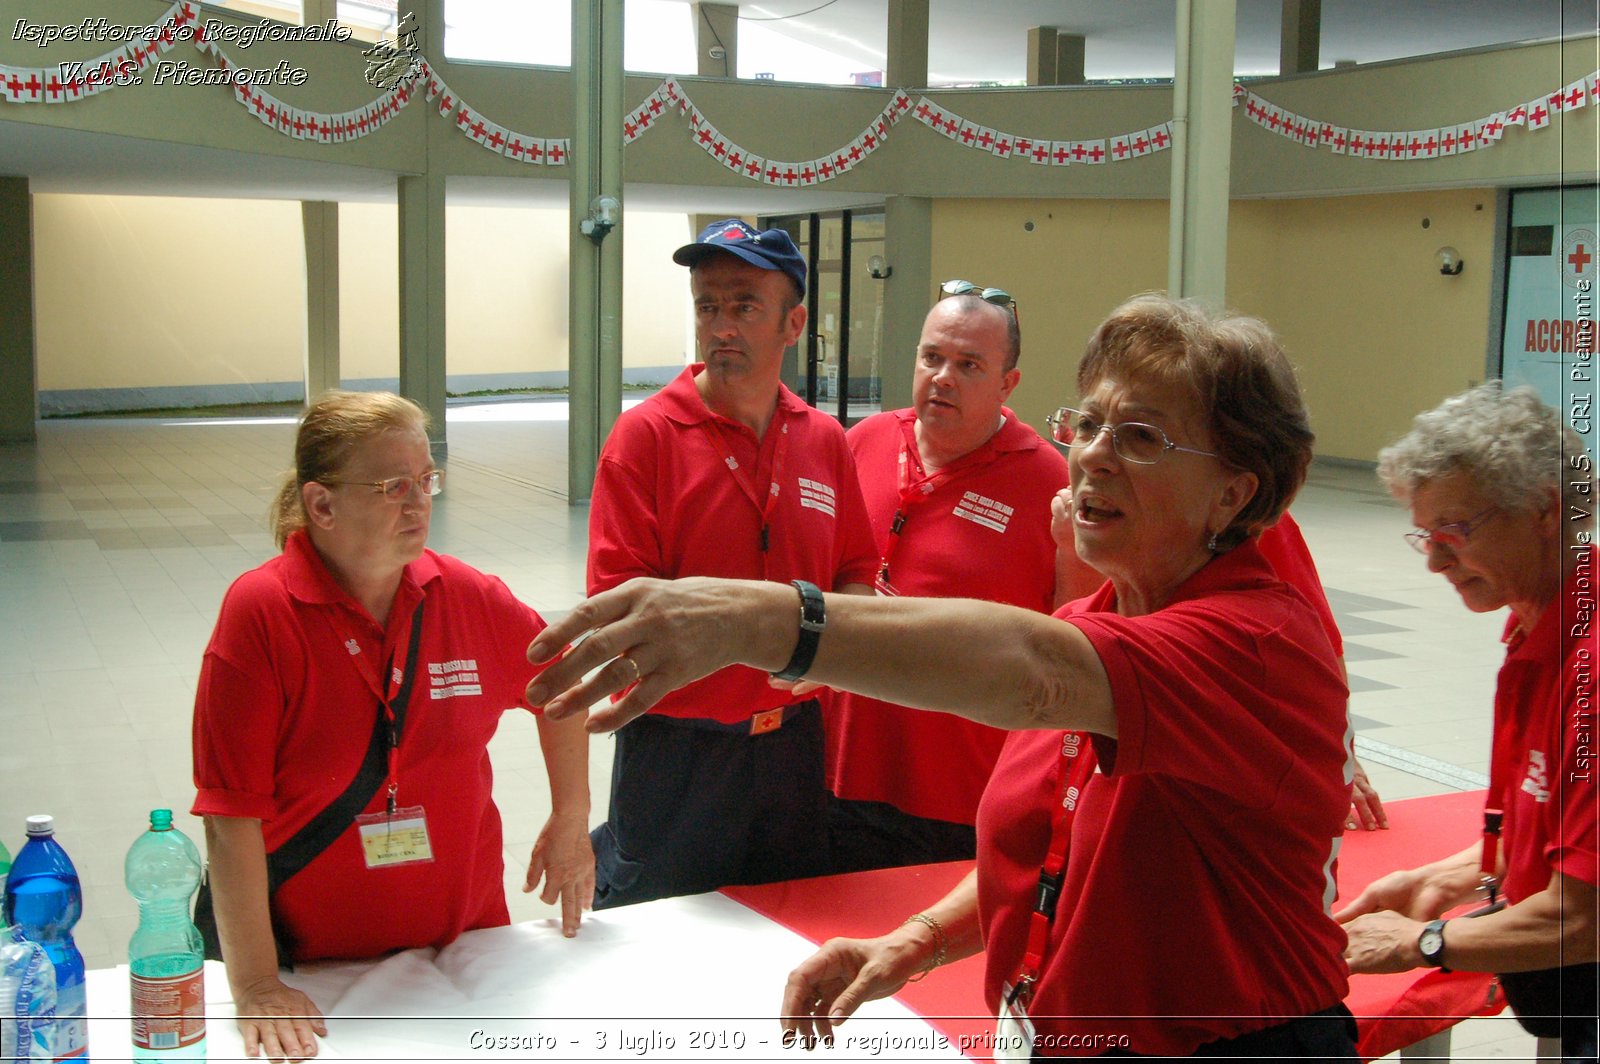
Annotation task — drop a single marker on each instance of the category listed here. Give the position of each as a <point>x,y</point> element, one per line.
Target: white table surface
<point>698,978</point>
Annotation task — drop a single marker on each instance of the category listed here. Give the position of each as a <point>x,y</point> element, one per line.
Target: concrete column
<point>594,359</point>
<point>907,293</point>
<point>716,27</point>
<point>422,302</point>
<point>1070,49</point>
<point>1202,91</point>
<point>1042,55</point>
<point>319,220</point>
<point>1300,44</point>
<point>19,398</point>
<point>422,261</point>
<point>907,65</point>
<point>317,12</point>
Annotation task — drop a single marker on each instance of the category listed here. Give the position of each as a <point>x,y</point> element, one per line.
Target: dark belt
<point>760,724</point>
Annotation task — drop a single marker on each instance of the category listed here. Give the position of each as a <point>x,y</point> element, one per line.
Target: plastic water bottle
<point>165,955</point>
<point>45,899</point>
<point>27,999</point>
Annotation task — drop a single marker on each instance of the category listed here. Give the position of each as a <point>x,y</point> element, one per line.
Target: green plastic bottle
<point>165,956</point>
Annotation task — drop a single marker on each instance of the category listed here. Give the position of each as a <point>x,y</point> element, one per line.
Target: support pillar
<point>319,220</point>
<point>422,261</point>
<point>1042,55</point>
<point>1300,43</point>
<point>594,360</point>
<point>907,293</point>
<point>907,63</point>
<point>1202,141</point>
<point>1070,49</point>
<point>19,399</point>
<point>716,27</point>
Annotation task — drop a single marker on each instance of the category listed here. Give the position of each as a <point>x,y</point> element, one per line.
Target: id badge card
<point>1013,1031</point>
<point>401,838</point>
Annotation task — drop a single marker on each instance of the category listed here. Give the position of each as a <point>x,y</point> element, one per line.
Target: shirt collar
<point>307,577</point>
<point>681,400</point>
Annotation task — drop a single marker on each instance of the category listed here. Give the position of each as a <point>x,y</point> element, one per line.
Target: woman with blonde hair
<point>341,728</point>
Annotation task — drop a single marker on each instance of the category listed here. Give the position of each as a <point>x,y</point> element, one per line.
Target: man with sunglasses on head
<point>725,472</point>
<point>958,491</point>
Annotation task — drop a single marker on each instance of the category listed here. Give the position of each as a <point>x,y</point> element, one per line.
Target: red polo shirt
<point>983,532</point>
<point>681,491</point>
<point>288,694</point>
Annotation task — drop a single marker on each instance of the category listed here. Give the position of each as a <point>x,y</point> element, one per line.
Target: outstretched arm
<point>998,665</point>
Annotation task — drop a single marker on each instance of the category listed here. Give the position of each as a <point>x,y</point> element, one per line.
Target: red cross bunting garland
<point>1415,144</point>
<point>73,81</point>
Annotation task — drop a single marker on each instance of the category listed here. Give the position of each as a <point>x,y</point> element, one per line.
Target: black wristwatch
<point>1431,943</point>
<point>813,616</point>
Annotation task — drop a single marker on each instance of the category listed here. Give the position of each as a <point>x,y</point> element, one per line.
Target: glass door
<point>835,366</point>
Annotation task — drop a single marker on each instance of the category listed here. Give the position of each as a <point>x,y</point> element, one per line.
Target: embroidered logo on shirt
<point>981,510</point>
<point>451,679</point>
<point>1537,782</point>
<point>816,496</point>
<point>352,646</point>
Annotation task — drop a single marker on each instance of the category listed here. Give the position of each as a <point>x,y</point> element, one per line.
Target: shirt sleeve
<point>1222,695</point>
<point>624,521</point>
<point>238,713</point>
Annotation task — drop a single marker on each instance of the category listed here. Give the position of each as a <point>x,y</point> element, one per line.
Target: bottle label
<point>170,1012</point>
<point>72,1021</point>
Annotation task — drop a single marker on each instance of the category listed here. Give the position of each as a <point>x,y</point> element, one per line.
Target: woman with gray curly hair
<point>1502,496</point>
<point>1192,710</point>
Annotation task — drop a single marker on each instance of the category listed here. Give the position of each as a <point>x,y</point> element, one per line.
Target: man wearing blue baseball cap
<point>725,472</point>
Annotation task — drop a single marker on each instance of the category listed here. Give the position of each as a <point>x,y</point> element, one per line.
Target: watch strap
<point>813,617</point>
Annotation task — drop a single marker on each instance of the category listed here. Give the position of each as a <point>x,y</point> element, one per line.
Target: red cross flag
<point>533,151</point>
<point>1022,145</point>
<point>1239,93</point>
<point>880,126</point>
<point>1094,151</point>
<point>754,166</point>
<point>1518,115</point>
<point>1122,147</point>
<point>1061,152</point>
<point>1140,143</point>
<point>499,136</point>
<point>734,160</point>
<point>1574,96</point>
<point>447,103</point>
<point>923,111</point>
<point>557,150</point>
<point>696,120</point>
<point>1004,145</point>
<point>1160,136</point>
<point>1040,152</point>
<point>824,168</point>
<point>1538,114</point>
<point>808,174</point>
<point>11,81</point>
<point>630,128</point>
<point>672,94</point>
<point>899,105</point>
<point>1592,83</point>
<point>1447,140</point>
<point>967,133</point>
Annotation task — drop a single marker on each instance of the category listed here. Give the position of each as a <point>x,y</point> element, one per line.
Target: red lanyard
<point>768,506</point>
<point>916,488</point>
<point>1077,767</point>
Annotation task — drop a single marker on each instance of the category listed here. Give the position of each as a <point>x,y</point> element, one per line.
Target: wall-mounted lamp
<point>602,218</point>
<point>877,269</point>
<point>1449,260</point>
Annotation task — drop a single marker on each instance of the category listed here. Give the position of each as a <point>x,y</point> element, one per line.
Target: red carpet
<point>1393,1010</point>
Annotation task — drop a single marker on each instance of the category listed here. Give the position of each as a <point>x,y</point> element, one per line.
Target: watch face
<point>1431,942</point>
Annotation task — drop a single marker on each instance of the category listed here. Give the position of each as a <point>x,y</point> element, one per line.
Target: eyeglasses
<point>1453,535</point>
<point>998,296</point>
<point>398,489</point>
<point>1134,441</point>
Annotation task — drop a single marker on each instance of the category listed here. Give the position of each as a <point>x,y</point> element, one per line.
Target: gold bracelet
<point>939,943</point>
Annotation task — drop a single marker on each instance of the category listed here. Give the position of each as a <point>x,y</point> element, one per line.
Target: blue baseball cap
<point>770,249</point>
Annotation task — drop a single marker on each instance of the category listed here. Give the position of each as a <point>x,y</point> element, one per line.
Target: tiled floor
<point>118,538</point>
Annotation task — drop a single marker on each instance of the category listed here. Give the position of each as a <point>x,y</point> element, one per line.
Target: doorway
<point>836,366</point>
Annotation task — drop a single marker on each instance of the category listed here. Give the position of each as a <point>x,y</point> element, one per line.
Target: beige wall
<point>1349,283</point>
<point>152,292</point>
<point>145,292</point>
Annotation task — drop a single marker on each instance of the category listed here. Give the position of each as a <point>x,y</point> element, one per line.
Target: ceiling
<point>970,40</point>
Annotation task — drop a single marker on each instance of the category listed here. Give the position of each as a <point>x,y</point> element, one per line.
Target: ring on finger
<point>638,674</point>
